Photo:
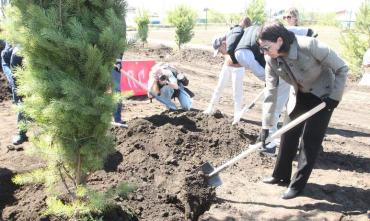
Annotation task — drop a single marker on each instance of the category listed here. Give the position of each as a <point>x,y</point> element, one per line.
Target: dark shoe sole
<point>277,181</point>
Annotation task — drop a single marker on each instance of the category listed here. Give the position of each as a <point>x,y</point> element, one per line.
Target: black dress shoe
<point>273,180</point>
<point>19,139</point>
<point>290,193</point>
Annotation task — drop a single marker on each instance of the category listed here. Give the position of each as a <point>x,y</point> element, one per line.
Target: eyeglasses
<point>287,17</point>
<point>265,48</point>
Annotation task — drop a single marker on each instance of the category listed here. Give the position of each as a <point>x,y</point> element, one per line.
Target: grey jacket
<point>310,67</point>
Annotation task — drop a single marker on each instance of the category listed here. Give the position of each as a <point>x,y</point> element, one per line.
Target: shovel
<point>212,173</point>
<point>247,108</point>
<point>143,86</point>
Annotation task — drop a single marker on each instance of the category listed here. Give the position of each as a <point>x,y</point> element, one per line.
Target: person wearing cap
<point>291,17</point>
<point>229,71</point>
<point>248,54</point>
<point>166,83</point>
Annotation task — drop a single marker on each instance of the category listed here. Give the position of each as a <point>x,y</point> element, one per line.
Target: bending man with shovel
<point>317,75</point>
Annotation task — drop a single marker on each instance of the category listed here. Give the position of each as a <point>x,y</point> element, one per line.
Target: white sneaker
<point>236,118</point>
<point>209,110</point>
<point>235,121</point>
<point>271,145</point>
<point>119,124</point>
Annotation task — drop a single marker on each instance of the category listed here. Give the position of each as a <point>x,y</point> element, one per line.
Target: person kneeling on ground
<point>166,83</point>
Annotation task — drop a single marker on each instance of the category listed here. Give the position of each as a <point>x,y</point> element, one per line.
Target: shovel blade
<point>213,180</point>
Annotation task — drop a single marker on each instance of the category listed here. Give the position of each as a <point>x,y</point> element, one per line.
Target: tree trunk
<point>78,168</point>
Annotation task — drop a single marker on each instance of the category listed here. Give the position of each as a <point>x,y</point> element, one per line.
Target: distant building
<point>154,19</point>
<point>130,17</point>
<point>346,18</point>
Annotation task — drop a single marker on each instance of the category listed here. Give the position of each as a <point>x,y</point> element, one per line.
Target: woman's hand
<point>165,82</point>
<point>330,103</point>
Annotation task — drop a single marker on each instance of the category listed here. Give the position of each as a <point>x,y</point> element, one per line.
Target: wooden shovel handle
<point>278,133</point>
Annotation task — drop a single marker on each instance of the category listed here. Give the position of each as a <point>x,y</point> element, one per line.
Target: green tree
<point>215,16</point>
<point>228,19</point>
<point>232,19</point>
<point>256,11</point>
<point>355,41</point>
<point>142,22</point>
<point>69,48</point>
<point>183,18</point>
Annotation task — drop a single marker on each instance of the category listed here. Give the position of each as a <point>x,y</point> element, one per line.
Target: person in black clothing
<point>116,88</point>
<point>2,46</point>
<point>10,60</point>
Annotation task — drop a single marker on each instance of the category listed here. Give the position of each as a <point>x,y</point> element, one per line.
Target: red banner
<point>138,69</point>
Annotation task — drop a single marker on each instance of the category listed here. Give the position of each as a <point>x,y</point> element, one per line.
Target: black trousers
<point>312,131</point>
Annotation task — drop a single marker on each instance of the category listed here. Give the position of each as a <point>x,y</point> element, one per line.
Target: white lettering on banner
<point>141,75</point>
<point>130,82</point>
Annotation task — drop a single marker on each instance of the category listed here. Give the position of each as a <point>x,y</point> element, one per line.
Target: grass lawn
<point>328,35</point>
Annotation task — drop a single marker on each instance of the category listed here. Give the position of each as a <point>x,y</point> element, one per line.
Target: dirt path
<point>158,150</point>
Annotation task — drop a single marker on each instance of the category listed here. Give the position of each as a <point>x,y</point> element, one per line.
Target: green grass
<point>328,35</point>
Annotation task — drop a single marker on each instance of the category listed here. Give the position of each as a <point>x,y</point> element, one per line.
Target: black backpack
<point>184,81</point>
<point>232,40</point>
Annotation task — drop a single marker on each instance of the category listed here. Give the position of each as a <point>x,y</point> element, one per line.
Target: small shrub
<point>183,18</point>
<point>355,41</point>
<point>142,22</point>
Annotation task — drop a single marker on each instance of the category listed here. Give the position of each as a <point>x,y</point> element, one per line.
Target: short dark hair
<point>272,31</point>
<point>245,22</point>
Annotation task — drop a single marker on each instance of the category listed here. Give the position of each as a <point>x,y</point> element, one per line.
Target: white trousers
<point>246,58</point>
<point>236,75</point>
<point>281,101</point>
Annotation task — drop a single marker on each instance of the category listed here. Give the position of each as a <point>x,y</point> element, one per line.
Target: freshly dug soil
<point>198,195</point>
<point>4,89</point>
<point>161,154</point>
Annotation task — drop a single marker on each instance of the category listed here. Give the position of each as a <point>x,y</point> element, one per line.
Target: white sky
<point>226,6</point>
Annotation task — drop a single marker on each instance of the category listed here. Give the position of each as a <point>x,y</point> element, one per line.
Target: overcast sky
<point>227,6</point>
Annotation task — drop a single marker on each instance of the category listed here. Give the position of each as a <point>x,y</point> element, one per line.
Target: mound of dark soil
<point>4,89</point>
<point>161,153</point>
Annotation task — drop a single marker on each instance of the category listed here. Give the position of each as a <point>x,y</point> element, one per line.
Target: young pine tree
<point>256,11</point>
<point>183,18</point>
<point>355,41</point>
<point>69,48</point>
<point>142,22</point>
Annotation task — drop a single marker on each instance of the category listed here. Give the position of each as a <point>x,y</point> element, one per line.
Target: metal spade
<point>213,173</point>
